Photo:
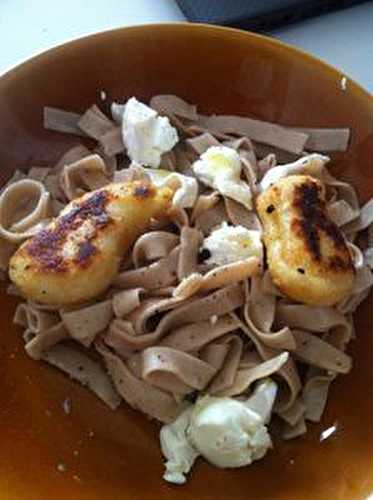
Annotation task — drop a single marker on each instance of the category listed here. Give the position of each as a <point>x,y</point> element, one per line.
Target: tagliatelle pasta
<point>86,174</point>
<point>24,208</point>
<point>174,325</point>
<point>85,323</point>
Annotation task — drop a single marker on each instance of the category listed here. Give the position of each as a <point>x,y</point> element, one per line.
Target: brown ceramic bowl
<point>116,455</point>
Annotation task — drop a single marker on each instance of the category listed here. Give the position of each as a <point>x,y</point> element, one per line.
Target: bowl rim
<point>270,41</point>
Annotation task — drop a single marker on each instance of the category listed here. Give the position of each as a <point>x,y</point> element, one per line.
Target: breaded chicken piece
<point>307,256</point>
<point>78,254</point>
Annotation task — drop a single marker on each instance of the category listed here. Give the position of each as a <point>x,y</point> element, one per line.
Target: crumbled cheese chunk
<point>220,168</point>
<point>177,449</point>
<point>263,398</point>
<point>311,164</point>
<point>185,187</point>
<point>225,431</point>
<point>146,135</point>
<point>229,244</point>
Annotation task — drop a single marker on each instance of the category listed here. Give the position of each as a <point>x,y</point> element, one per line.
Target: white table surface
<point>27,27</point>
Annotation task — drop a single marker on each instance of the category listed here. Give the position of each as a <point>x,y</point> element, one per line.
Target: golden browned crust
<point>46,247</point>
<point>306,253</point>
<point>311,219</point>
<point>78,254</point>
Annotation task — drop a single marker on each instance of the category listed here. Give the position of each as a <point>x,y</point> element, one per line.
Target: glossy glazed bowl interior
<point>115,455</point>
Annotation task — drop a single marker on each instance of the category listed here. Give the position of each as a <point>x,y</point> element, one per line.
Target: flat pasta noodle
<point>178,216</point>
<point>243,145</point>
<point>70,156</point>
<point>80,367</point>
<point>144,316</point>
<point>341,212</point>
<point>294,431</point>
<point>133,172</point>
<point>111,162</point>
<point>160,274</point>
<point>204,202</point>
<point>140,395</point>
<point>111,142</point>
<point>293,414</point>
<point>268,287</point>
<point>152,246</point>
<point>94,123</point>
<point>86,174</point>
<point>190,241</point>
<point>220,302</point>
<point>288,370</point>
<point>311,165</point>
<point>325,139</point>
<point>172,104</point>
<point>257,130</point>
<point>316,352</point>
<point>38,173</point>
<point>218,277</point>
<point>364,220</point>
<point>215,353</point>
<point>39,343</point>
<point>315,393</point>
<point>201,143</point>
<point>261,306</point>
<point>229,274</point>
<point>195,336</point>
<point>317,319</point>
<point>313,318</point>
<point>118,337</point>
<point>34,319</point>
<point>188,286</point>
<point>269,161</point>
<point>24,208</point>
<point>240,215</point>
<point>126,301</point>
<point>282,339</point>
<point>86,323</point>
<point>59,120</point>
<point>175,371</point>
<point>226,376</point>
<point>211,218</point>
<point>246,377</point>
<point>249,172</point>
<point>249,359</point>
<point>183,160</point>
<point>168,161</point>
